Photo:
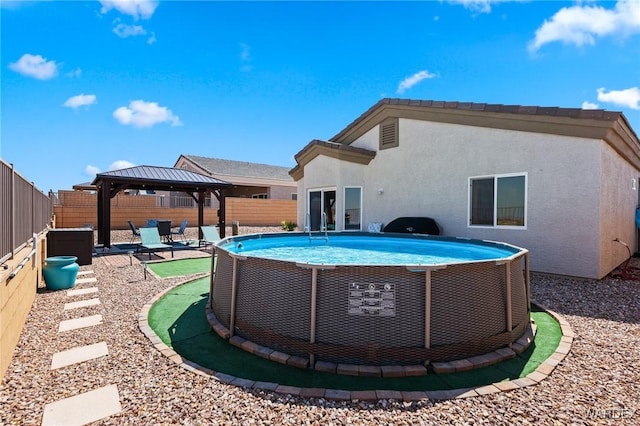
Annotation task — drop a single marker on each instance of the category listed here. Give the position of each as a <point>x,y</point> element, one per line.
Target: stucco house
<point>560,182</point>
<point>250,180</point>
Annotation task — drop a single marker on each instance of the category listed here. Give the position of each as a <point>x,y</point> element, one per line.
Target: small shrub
<point>288,226</point>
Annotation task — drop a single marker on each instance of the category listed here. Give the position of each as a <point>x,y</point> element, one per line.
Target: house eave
<point>332,150</point>
<point>571,124</point>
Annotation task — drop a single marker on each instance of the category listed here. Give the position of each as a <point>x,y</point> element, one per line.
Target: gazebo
<point>198,186</point>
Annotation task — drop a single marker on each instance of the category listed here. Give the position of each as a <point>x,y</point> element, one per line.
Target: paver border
<point>543,371</point>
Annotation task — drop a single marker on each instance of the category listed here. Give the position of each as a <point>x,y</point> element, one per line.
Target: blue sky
<point>92,86</point>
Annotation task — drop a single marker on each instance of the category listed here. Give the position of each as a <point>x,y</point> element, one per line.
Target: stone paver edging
<point>541,373</point>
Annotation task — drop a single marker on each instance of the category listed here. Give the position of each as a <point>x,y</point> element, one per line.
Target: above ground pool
<point>371,299</point>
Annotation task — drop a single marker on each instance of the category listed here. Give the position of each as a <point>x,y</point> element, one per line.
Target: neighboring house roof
<point>163,178</point>
<point>610,126</point>
<point>84,186</point>
<point>241,169</point>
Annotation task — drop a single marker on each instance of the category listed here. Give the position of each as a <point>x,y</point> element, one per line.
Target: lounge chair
<point>151,241</point>
<point>210,234</point>
<point>180,230</point>
<point>135,232</point>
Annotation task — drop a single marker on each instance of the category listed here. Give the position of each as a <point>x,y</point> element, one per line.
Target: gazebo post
<point>106,214</point>
<point>100,214</point>
<point>221,214</point>
<point>201,199</point>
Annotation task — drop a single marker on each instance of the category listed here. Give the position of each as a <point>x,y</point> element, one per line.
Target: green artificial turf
<point>181,267</point>
<point>179,320</point>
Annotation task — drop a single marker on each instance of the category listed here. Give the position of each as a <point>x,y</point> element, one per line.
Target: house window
<point>499,200</point>
<point>352,208</point>
<point>389,137</point>
<point>261,196</point>
<point>294,196</point>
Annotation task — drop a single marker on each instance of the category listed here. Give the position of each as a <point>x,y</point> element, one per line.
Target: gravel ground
<point>598,382</point>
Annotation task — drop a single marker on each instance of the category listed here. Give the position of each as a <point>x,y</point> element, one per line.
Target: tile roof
<point>558,112</point>
<point>218,166</point>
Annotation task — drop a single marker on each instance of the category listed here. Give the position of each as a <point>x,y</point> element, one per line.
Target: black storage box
<point>71,242</point>
<point>413,225</point>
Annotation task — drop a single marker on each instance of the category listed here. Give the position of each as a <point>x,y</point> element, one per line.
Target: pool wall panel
<point>364,336</point>
<point>273,299</point>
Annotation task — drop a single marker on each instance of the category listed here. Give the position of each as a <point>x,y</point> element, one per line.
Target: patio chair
<point>135,232</point>
<point>180,230</point>
<point>151,241</point>
<point>210,234</point>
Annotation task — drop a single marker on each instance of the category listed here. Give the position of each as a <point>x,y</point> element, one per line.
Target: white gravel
<point>597,383</point>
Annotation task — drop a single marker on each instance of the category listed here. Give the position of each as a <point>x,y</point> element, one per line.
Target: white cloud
<point>136,8</point>
<point>91,170</point>
<point>13,4</point>
<point>145,114</point>
<point>35,66</point>
<point>629,98</point>
<point>590,105</point>
<point>478,6</point>
<point>582,24</point>
<point>80,100</point>
<point>75,73</point>
<point>245,52</point>
<point>152,38</point>
<point>411,81</point>
<point>121,164</point>
<point>245,58</point>
<point>124,30</point>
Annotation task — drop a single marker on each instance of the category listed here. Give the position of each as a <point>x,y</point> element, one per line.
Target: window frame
<point>344,207</point>
<point>496,178</point>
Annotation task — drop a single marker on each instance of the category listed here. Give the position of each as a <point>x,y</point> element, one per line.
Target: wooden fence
<point>77,209</point>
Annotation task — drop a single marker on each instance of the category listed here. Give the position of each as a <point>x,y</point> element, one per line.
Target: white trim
<point>495,178</point>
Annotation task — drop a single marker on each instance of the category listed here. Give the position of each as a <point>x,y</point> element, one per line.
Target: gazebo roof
<point>160,178</point>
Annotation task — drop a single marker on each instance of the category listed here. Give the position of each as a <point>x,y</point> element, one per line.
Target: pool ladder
<point>323,227</point>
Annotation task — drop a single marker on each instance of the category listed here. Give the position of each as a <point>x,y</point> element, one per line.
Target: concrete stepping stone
<point>82,322</point>
<point>81,273</point>
<point>81,304</point>
<point>82,291</point>
<point>86,280</point>
<point>79,354</point>
<point>84,408</point>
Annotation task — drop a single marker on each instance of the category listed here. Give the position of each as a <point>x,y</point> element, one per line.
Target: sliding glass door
<point>321,201</point>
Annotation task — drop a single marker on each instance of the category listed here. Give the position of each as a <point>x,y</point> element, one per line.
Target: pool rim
<point>517,251</point>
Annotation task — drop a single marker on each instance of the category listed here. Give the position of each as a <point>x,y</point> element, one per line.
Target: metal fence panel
<point>24,211</point>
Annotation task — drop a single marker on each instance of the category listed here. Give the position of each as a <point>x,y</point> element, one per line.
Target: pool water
<point>369,251</point>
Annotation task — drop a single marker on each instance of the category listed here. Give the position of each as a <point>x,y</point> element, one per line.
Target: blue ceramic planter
<point>60,272</point>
